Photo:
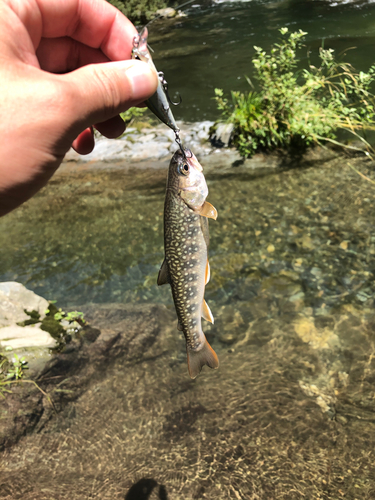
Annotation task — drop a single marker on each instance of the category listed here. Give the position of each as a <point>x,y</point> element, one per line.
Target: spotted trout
<point>185,266</point>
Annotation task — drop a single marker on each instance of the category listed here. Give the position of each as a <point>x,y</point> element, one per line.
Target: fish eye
<point>184,169</point>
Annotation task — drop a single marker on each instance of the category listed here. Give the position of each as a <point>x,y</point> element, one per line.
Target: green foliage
<point>70,316</point>
<point>139,11</point>
<point>16,368</point>
<point>295,108</point>
<point>51,323</point>
<point>132,114</point>
<point>11,371</point>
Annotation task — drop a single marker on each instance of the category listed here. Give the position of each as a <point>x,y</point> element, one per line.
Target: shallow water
<point>290,412</point>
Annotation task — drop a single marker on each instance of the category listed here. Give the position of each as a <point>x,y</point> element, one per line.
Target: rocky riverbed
<point>290,412</point>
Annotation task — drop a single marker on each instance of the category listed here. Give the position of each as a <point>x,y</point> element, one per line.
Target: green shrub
<point>138,11</point>
<point>295,108</point>
<point>132,114</point>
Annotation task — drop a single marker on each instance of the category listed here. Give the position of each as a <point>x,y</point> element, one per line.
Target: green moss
<point>34,318</point>
<point>53,327</point>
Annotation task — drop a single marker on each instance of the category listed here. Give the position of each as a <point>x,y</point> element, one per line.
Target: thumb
<point>98,92</point>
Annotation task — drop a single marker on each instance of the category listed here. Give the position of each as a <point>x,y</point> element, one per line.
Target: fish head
<point>187,180</point>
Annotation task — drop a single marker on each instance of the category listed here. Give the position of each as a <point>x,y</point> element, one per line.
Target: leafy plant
<point>51,323</point>
<point>70,316</point>
<point>132,114</point>
<point>16,369</point>
<point>11,371</point>
<point>138,11</point>
<point>294,108</point>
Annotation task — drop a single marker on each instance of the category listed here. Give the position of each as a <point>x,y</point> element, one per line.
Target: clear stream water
<point>213,46</point>
<point>290,413</point>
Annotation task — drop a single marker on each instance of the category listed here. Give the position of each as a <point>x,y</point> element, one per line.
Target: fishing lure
<point>160,102</point>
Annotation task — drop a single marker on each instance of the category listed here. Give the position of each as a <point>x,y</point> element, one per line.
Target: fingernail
<point>142,79</point>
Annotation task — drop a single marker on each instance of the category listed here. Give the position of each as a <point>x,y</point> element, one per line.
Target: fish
<point>185,266</point>
<point>159,102</point>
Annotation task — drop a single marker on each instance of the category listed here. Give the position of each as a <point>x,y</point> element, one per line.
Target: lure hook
<point>178,140</point>
<point>186,153</point>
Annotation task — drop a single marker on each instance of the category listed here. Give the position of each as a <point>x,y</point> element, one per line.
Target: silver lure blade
<point>158,102</point>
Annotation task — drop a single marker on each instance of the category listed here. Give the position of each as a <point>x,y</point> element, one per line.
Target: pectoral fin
<point>163,277</point>
<point>208,273</point>
<point>206,312</point>
<point>208,210</point>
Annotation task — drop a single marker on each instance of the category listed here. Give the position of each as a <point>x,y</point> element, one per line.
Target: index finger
<point>95,23</point>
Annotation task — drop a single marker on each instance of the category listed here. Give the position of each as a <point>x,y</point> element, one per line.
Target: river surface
<point>213,46</point>
<point>290,413</point>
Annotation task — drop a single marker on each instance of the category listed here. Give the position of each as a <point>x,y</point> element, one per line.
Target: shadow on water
<point>144,488</point>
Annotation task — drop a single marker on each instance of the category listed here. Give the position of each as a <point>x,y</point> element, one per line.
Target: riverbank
<point>148,144</point>
<point>152,147</point>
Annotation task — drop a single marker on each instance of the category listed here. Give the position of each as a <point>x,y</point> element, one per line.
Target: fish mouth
<point>195,164</point>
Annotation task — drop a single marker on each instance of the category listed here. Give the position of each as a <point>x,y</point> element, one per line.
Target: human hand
<point>64,66</point>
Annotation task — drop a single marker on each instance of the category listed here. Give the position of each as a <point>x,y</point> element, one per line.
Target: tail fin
<point>205,356</point>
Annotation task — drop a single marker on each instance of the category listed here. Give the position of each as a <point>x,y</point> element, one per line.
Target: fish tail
<point>205,356</point>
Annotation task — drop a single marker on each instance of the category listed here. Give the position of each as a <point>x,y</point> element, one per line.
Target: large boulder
<point>15,299</point>
<point>20,337</point>
<point>30,342</point>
